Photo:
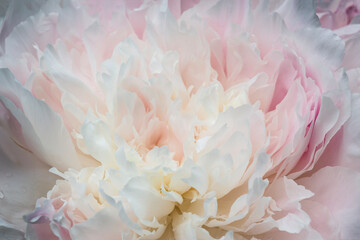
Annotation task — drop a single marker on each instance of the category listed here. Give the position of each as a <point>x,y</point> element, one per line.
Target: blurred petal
<point>23,179</point>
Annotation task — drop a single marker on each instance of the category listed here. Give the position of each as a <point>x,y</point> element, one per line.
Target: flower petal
<point>43,130</point>
<point>23,179</point>
<point>341,199</point>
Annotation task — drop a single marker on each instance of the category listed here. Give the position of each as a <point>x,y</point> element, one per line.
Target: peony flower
<point>177,120</point>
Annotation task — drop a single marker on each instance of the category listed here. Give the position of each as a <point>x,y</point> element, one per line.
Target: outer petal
<point>352,46</point>
<point>16,12</point>
<point>341,199</point>
<point>11,234</point>
<point>9,231</point>
<point>327,47</point>
<point>298,14</point>
<point>38,30</point>
<point>344,148</point>
<point>21,183</point>
<point>41,130</point>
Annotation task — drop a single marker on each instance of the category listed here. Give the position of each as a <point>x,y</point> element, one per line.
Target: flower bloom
<point>178,120</point>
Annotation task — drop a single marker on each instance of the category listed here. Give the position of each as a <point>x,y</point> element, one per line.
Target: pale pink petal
<point>344,148</point>
<point>351,48</point>
<point>40,126</point>
<point>341,199</point>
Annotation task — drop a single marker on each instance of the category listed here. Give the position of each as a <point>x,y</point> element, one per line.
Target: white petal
<point>146,201</point>
<point>43,130</point>
<point>104,225</point>
<point>98,142</point>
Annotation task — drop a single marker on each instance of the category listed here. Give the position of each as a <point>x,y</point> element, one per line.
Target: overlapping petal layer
<point>179,120</point>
